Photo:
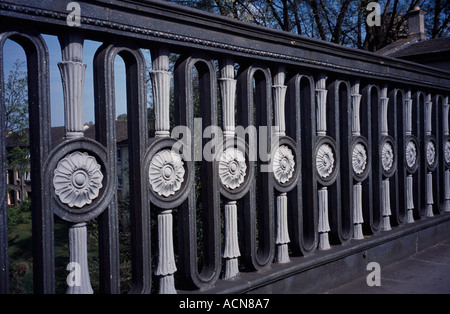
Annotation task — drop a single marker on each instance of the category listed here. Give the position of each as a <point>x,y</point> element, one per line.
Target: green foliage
<point>19,238</point>
<point>20,214</point>
<point>21,281</point>
<point>125,245</point>
<point>124,248</point>
<point>20,243</point>
<point>122,116</point>
<point>16,98</point>
<point>19,156</point>
<point>16,114</point>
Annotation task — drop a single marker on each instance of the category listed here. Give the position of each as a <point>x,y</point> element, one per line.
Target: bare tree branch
<point>337,28</point>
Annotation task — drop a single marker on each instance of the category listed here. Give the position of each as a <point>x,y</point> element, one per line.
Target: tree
<point>16,116</point>
<point>122,116</point>
<point>439,12</point>
<point>16,103</point>
<point>338,21</point>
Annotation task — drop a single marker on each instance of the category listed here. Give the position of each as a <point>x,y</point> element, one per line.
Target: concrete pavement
<point>426,272</point>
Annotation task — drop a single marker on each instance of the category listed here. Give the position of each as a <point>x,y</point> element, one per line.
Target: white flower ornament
<point>359,158</point>
<point>166,172</point>
<point>77,179</point>
<point>387,156</point>
<point>324,160</point>
<point>232,168</point>
<point>283,164</point>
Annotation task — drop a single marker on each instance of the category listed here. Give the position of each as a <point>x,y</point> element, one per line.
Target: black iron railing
<point>285,147</point>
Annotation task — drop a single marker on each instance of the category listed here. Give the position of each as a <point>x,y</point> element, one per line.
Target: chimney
<point>416,25</point>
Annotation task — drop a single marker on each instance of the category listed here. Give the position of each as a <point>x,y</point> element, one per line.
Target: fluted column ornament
<point>447,190</point>
<point>384,111</point>
<point>356,103</point>
<point>430,201</point>
<point>79,275</point>
<point>324,226</point>
<point>428,113</point>
<point>227,85</point>
<point>408,107</point>
<point>409,199</point>
<point>357,211</point>
<point>231,250</point>
<point>386,205</point>
<point>160,76</point>
<point>279,96</point>
<point>321,105</point>
<point>72,71</point>
<point>445,120</point>
<point>166,258</point>
<point>282,235</point>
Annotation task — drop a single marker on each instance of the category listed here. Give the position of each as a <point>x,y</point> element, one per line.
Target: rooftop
<point>416,42</point>
<point>410,46</point>
<point>58,134</point>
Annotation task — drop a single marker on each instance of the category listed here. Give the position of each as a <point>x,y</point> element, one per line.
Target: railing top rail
<point>217,33</point>
<point>186,27</point>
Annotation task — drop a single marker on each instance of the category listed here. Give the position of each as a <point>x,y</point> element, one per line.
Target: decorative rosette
<point>387,156</point>
<point>283,164</point>
<point>431,153</point>
<point>232,168</point>
<point>359,158</point>
<point>77,179</point>
<point>411,154</point>
<point>166,172</point>
<point>324,160</point>
<point>447,152</point>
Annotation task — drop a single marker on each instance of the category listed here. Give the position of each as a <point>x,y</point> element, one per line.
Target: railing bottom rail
<point>325,270</point>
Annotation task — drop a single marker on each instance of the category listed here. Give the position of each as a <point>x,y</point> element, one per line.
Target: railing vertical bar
<point>439,100</point>
<point>429,181</point>
<point>446,153</point>
<point>321,129</point>
<point>343,135</point>
<point>359,162</point>
<point>210,196</point>
<point>397,113</point>
<point>40,145</point>
<point>279,101</point>
<point>371,190</point>
<point>105,132</point>
<point>301,126</point>
<point>137,141</point>
<point>410,152</point>
<point>231,252</point>
<point>72,71</point>
<point>387,157</point>
<point>255,111</point>
<point>160,75</point>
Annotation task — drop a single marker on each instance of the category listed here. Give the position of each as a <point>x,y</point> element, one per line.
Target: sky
<point>13,51</point>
